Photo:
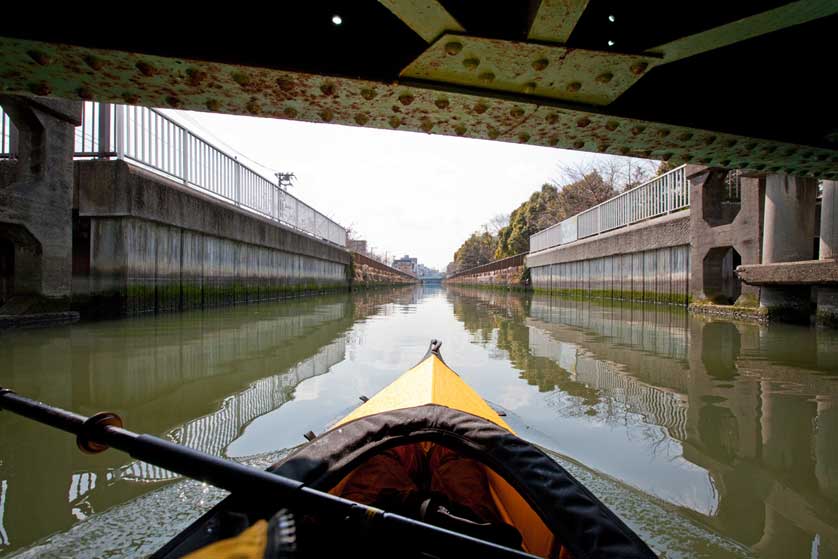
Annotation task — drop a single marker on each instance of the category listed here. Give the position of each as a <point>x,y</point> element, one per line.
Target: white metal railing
<point>152,140</point>
<point>663,194</point>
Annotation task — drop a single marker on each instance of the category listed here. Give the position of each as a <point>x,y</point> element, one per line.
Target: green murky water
<point>710,438</point>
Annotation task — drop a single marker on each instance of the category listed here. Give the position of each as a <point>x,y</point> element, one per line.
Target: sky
<point>404,192</point>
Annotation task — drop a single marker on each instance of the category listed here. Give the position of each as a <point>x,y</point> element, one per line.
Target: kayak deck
<point>429,382</point>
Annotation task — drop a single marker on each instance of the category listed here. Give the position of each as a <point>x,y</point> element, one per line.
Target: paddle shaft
<point>258,484</point>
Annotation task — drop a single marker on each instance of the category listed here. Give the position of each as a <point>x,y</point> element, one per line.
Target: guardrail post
<point>104,131</point>
<point>119,131</point>
<point>238,183</point>
<point>184,155</point>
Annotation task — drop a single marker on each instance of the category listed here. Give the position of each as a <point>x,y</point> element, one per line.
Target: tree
<point>497,223</point>
<point>477,250</point>
<point>620,173</point>
<point>542,210</point>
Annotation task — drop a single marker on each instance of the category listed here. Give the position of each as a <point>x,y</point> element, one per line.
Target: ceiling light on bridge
<point>610,43</point>
<point>611,18</point>
<point>337,20</point>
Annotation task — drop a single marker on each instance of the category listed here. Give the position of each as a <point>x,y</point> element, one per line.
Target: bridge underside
<point>733,84</point>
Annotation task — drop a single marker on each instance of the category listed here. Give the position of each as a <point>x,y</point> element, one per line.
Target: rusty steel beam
<point>769,21</point>
<point>555,20</point>
<point>73,72</point>
<point>572,75</point>
<point>426,17</point>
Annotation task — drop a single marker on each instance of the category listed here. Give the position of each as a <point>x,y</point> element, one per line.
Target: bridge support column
<point>828,296</point>
<point>36,205</point>
<point>788,236</point>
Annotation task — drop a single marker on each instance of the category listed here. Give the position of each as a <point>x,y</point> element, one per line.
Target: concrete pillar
<point>788,236</point>
<point>36,207</point>
<point>828,296</point>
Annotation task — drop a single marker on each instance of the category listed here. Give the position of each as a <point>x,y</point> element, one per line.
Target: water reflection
<point>711,438</point>
<point>752,407</point>
<point>197,378</point>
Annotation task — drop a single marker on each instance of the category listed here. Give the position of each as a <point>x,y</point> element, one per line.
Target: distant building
<point>407,264</point>
<point>424,271</point>
<point>358,246</point>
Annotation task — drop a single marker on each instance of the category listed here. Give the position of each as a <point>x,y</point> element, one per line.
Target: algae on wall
<point>659,275</point>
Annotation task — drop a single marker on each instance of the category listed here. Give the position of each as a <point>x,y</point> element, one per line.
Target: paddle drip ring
<point>92,426</point>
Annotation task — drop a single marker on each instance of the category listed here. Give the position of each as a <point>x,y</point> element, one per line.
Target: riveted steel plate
<point>71,72</point>
<point>554,72</point>
<point>555,19</point>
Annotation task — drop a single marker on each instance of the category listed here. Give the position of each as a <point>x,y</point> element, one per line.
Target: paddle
<point>103,430</point>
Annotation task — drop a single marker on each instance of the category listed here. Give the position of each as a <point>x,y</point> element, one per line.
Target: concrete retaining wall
<point>649,261</point>
<point>660,275</point>
<point>156,246</point>
<point>371,273</point>
<point>509,278</point>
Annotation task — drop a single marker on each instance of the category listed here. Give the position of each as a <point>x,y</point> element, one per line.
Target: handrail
<point>663,194</point>
<point>508,262</point>
<point>158,143</point>
<point>372,262</point>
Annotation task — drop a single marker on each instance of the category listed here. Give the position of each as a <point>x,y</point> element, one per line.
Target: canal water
<point>710,438</point>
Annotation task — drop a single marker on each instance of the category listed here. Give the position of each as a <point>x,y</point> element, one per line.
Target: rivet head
<point>486,77</point>
<point>361,119</point>
<point>131,98</point>
<point>194,77</point>
<point>40,57</point>
<point>612,125</point>
<point>583,122</point>
<point>327,115</point>
<point>460,130</point>
<point>552,118</point>
<point>453,48</point>
<point>284,84</point>
<point>93,62</point>
<point>517,112</point>
<point>327,89</point>
<point>368,94</point>
<point>686,136</point>
<point>427,125</point>
<point>254,108</point>
<point>663,133</point>
<point>147,69</point>
<point>290,112</point>
<point>175,103</point>
<point>441,103</point>
<point>213,105</point>
<point>529,87</point>
<point>471,63</point>
<point>605,77</point>
<point>523,138</point>
<point>540,64</point>
<point>573,87</point>
<point>638,68</point>
<point>602,148</point>
<point>85,93</point>
<point>40,88</point>
<point>578,144</point>
<point>394,121</point>
<point>406,99</point>
<point>553,141</point>
<point>493,133</point>
<point>242,79</point>
<point>624,150</point>
<point>480,108</point>
<point>635,130</point>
